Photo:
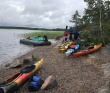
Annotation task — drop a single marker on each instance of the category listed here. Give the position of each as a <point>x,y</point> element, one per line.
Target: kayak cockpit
<point>9,80</point>
<point>28,69</point>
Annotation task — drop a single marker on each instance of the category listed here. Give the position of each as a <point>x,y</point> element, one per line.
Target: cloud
<point>39,13</point>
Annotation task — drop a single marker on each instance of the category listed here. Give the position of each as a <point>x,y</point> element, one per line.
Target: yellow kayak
<point>9,85</point>
<point>63,46</point>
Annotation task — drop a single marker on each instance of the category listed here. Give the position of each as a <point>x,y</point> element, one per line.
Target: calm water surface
<point>10,48</point>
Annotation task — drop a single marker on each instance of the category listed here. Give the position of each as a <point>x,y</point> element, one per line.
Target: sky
<point>39,13</point>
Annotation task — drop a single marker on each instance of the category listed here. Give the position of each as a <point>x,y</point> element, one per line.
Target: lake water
<point>10,48</point>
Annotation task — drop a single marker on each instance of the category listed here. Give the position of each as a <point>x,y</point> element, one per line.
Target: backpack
<point>35,84</point>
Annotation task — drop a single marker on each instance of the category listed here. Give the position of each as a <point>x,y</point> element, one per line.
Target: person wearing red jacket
<point>66,35</point>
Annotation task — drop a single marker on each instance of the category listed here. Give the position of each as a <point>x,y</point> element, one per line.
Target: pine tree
<point>76,18</point>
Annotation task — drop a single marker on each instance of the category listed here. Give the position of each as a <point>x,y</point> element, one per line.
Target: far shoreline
<point>32,28</point>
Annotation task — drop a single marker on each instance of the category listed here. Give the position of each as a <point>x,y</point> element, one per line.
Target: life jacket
<point>71,30</point>
<point>66,33</point>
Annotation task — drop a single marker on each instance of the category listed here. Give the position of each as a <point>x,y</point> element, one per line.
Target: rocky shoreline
<point>74,75</point>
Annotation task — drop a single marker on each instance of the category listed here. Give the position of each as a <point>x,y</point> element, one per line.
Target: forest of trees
<point>96,20</point>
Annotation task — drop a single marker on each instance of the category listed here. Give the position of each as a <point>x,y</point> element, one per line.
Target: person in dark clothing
<point>70,37</point>
<point>71,33</point>
<point>28,37</point>
<point>45,38</point>
<point>76,35</point>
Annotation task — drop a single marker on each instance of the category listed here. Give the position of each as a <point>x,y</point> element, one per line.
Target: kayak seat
<point>27,69</point>
<point>85,50</point>
<point>90,47</point>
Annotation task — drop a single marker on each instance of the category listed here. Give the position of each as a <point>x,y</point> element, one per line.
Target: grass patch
<point>35,57</point>
<point>50,34</point>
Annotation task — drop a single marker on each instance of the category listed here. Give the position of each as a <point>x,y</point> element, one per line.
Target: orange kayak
<point>88,50</point>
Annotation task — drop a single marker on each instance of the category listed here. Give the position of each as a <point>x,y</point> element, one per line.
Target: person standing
<point>71,33</point>
<point>45,38</point>
<point>66,35</point>
<point>76,35</point>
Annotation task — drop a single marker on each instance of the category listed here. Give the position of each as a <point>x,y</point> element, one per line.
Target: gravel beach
<point>72,74</point>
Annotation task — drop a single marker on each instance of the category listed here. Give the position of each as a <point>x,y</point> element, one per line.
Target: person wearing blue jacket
<point>76,35</point>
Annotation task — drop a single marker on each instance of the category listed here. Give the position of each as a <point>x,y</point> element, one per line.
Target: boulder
<point>106,49</point>
<point>106,88</point>
<point>106,68</point>
<point>15,63</point>
<point>28,60</point>
<point>49,83</point>
<point>7,65</point>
